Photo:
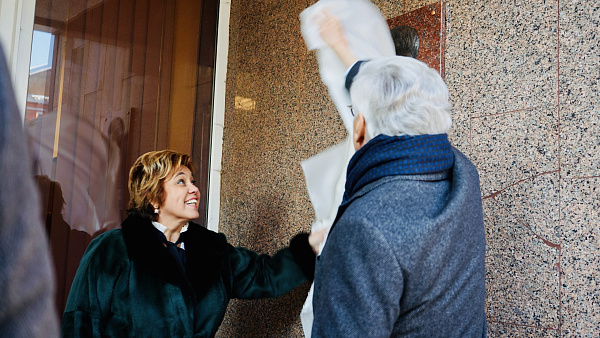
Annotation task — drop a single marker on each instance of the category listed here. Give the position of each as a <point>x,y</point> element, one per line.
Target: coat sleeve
<point>27,283</point>
<point>262,276</point>
<point>89,301</point>
<point>358,284</point>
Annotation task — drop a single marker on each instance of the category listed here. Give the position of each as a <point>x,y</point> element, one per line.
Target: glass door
<point>109,81</point>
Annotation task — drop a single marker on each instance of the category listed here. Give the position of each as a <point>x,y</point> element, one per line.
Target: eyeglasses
<point>351,110</point>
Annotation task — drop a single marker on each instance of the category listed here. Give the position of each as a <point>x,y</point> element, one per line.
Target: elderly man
<point>405,256</point>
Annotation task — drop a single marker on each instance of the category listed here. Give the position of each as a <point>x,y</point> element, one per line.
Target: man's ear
<point>359,135</point>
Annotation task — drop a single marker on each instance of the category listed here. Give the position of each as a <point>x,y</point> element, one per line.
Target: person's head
<point>161,186</point>
<point>406,41</point>
<point>398,96</point>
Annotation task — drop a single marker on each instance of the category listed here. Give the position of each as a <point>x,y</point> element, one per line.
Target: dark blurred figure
<point>66,243</point>
<point>26,278</point>
<point>406,41</point>
<point>50,194</point>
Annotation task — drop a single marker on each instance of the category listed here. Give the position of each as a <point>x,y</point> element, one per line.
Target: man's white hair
<point>400,95</point>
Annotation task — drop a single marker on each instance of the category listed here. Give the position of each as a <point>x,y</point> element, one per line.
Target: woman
<point>162,275</point>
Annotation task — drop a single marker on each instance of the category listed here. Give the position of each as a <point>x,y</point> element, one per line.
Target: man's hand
<point>316,238</point>
<point>331,30</point>
<point>332,33</point>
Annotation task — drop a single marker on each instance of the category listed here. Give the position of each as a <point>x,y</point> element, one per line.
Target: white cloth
<point>368,37</point>
<point>325,175</point>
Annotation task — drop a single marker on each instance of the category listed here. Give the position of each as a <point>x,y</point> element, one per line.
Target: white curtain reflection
<point>86,167</point>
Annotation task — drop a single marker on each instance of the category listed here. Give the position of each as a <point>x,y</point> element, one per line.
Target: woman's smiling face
<point>181,198</point>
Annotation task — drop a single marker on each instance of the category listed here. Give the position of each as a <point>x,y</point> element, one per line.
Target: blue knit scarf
<point>397,155</point>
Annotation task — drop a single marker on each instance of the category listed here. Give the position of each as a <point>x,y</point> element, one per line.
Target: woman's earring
<point>156,210</point>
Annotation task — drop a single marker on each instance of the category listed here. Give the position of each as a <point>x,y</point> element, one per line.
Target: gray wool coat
<point>406,259</point>
<point>26,276</point>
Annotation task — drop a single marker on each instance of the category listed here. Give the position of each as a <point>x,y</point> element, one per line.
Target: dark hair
<point>406,41</point>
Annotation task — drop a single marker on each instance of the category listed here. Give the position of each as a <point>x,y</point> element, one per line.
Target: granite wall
<point>523,77</point>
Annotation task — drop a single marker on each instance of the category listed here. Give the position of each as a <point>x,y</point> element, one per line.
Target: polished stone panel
<point>581,263</point>
<point>511,330</point>
<point>535,203</point>
<point>458,72</point>
<point>523,77</point>
<point>429,24</point>
<point>514,61</point>
<point>514,146</point>
<point>581,294</point>
<point>522,278</point>
<point>261,179</point>
<point>580,88</point>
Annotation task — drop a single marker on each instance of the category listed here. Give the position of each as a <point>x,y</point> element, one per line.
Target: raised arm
<point>332,33</point>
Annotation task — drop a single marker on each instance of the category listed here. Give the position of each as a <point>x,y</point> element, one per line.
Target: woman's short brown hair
<point>147,175</point>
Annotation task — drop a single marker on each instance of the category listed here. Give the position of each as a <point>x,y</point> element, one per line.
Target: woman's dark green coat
<point>127,284</point>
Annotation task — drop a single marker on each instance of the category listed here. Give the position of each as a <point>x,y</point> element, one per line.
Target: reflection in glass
<point>40,72</point>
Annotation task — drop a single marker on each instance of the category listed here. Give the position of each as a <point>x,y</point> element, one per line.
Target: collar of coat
<point>205,250</point>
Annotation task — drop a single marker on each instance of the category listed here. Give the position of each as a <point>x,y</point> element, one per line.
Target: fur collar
<point>206,252</point>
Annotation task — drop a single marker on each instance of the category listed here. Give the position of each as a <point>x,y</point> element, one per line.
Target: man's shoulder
<point>389,204</point>
<point>410,207</point>
<point>400,193</point>
<point>463,167</point>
